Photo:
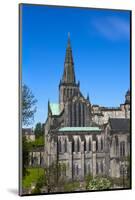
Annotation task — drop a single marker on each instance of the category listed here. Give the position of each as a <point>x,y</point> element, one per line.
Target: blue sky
<point>100,42</point>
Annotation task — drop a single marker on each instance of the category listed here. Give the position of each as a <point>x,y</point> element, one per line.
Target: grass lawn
<point>32,177</point>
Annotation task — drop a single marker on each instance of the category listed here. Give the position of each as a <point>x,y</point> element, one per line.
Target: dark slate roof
<point>27,131</point>
<point>119,124</point>
<point>110,108</point>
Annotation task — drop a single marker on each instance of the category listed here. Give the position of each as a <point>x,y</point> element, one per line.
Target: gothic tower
<point>68,86</point>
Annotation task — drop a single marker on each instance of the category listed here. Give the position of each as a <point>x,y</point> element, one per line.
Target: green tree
<point>25,155</point>
<point>39,129</point>
<point>28,105</point>
<point>39,184</point>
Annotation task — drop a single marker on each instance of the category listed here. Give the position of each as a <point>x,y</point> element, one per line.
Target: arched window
<point>88,168</point>
<point>35,161</point>
<point>59,169</point>
<point>74,169</point>
<point>122,149</point>
<point>85,146</point>
<point>96,144</point>
<point>78,145</point>
<point>101,144</point>
<point>77,170</point>
<point>97,170</point>
<point>79,113</point>
<point>32,161</point>
<point>59,146</point>
<point>41,161</point>
<point>89,144</point>
<point>85,169</point>
<point>65,144</point>
<point>116,140</point>
<point>70,110</point>
<point>116,143</point>
<point>73,145</point>
<point>101,165</point>
<point>83,114</point>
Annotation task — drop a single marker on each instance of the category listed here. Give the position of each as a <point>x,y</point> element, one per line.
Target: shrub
<point>98,183</point>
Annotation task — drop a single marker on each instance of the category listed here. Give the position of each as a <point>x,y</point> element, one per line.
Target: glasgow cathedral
<point>86,138</point>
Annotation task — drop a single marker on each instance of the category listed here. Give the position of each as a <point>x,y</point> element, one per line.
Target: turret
<point>127,97</point>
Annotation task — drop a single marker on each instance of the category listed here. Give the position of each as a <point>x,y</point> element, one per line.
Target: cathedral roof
<point>79,129</point>
<point>55,109</point>
<point>120,124</point>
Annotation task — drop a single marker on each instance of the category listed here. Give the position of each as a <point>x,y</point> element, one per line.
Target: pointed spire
<point>69,74</point>
<point>69,44</point>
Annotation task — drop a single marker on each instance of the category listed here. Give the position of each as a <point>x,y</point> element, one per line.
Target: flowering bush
<point>99,184</point>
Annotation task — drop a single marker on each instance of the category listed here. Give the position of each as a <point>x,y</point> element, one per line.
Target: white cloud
<point>113,28</point>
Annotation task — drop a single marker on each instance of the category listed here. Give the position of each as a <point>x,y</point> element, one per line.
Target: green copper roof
<point>55,108</point>
<point>80,129</point>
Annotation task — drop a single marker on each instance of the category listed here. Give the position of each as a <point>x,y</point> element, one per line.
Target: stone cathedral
<point>86,138</point>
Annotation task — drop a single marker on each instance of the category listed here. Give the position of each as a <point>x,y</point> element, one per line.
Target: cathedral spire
<point>69,74</point>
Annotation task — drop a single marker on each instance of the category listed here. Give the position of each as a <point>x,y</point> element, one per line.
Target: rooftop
<point>79,129</point>
<point>120,124</point>
<point>27,131</point>
<point>55,108</point>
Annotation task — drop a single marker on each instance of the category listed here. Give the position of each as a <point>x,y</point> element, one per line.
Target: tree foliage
<point>39,142</point>
<point>28,105</point>
<point>39,184</point>
<point>25,156</point>
<point>39,129</point>
<point>32,177</point>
